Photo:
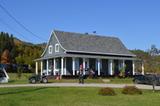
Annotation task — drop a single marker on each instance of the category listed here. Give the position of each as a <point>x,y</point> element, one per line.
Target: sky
<point>135,22</point>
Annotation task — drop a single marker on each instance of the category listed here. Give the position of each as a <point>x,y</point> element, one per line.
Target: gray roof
<point>77,42</point>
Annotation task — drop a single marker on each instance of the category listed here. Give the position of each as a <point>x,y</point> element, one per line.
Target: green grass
<point>70,96</point>
<point>24,79</point>
<point>98,80</point>
<point>15,80</point>
<point>121,80</point>
<point>76,81</point>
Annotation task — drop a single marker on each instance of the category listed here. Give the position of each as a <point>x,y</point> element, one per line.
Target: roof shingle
<point>91,43</point>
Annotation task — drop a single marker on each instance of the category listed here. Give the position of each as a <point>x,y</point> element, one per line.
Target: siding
<point>52,41</point>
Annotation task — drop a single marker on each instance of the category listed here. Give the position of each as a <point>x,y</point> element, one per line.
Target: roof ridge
<point>83,34</point>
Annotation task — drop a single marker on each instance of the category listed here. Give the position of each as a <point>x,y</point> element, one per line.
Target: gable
<point>52,43</point>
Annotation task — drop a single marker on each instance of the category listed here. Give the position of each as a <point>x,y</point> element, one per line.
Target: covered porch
<point>69,65</point>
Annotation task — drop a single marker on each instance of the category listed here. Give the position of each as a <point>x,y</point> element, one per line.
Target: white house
<point>66,51</point>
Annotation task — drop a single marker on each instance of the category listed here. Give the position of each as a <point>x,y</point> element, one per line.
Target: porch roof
<point>86,56</point>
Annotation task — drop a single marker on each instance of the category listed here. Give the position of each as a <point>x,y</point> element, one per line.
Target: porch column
<point>123,66</point>
<point>110,63</point>
<point>142,68</point>
<point>84,67</point>
<point>99,64</point>
<point>65,70</point>
<point>47,66</point>
<point>41,67</point>
<point>119,64</point>
<point>73,65</point>
<point>133,67</point>
<point>54,67</point>
<point>88,63</point>
<point>123,63</point>
<point>36,67</point>
<point>62,66</point>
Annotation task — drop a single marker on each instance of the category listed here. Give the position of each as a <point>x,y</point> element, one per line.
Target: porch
<point>102,66</point>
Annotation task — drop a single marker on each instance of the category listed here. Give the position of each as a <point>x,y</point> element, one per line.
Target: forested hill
<point>15,51</point>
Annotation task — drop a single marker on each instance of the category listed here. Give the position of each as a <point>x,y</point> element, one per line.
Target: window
<point>50,49</point>
<point>56,47</point>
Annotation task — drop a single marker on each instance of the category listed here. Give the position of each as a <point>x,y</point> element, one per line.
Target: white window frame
<point>57,47</point>
<point>50,49</point>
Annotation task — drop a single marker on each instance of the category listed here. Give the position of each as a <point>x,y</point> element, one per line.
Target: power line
<point>19,23</point>
<point>11,28</point>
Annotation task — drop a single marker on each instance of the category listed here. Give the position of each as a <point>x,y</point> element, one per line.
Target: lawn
<point>73,96</point>
<point>24,79</point>
<point>15,80</point>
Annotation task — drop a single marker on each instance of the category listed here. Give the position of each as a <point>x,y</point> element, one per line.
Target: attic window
<point>50,49</point>
<point>56,47</point>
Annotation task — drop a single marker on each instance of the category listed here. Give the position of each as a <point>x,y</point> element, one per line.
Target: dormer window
<point>56,47</point>
<point>50,49</point>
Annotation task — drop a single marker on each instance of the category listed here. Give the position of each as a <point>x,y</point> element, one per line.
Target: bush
<point>107,91</point>
<point>131,90</point>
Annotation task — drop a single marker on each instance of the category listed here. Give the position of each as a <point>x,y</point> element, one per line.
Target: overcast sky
<point>135,22</point>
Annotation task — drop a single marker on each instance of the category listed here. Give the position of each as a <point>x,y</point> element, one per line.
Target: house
<point>66,51</point>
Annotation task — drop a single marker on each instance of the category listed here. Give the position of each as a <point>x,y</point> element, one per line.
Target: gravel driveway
<point>77,85</point>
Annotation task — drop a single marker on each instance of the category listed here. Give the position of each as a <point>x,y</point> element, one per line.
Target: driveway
<point>78,85</point>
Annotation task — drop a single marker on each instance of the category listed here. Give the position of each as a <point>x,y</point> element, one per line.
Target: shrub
<point>131,90</point>
<point>107,91</point>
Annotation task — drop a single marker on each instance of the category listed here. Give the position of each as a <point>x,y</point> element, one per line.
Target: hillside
<point>16,51</point>
<point>20,42</point>
<point>27,51</point>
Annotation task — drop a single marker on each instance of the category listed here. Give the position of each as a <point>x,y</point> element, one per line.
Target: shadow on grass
<point>18,91</point>
<point>11,81</point>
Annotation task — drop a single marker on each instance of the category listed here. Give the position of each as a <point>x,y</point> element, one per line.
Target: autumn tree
<point>5,57</point>
<point>150,58</point>
<point>7,43</point>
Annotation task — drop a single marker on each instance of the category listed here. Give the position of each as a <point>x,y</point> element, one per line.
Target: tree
<point>150,58</point>
<point>15,51</point>
<point>5,58</point>
<point>153,51</point>
<point>20,60</point>
<point>7,42</point>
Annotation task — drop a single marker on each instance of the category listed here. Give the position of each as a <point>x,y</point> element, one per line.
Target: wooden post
<point>47,67</point>
<point>36,67</point>
<point>110,67</point>
<point>54,66</point>
<point>142,68</point>
<point>41,66</point>
<point>133,67</point>
<point>62,65</point>
<point>65,70</point>
<point>99,68</point>
<point>73,65</point>
<point>84,67</point>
